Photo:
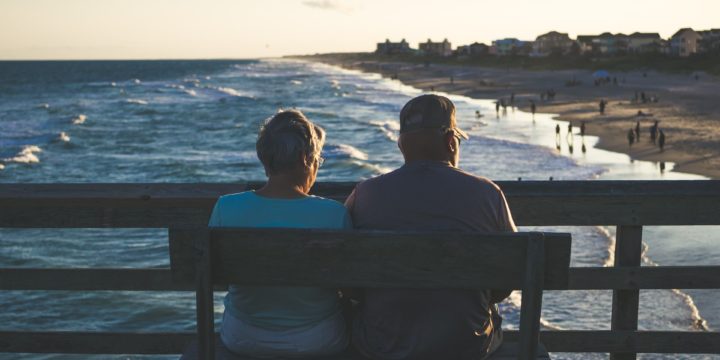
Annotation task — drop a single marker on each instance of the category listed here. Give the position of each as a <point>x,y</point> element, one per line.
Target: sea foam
<point>64,137</point>
<point>80,119</point>
<point>343,151</point>
<point>26,155</point>
<point>136,101</point>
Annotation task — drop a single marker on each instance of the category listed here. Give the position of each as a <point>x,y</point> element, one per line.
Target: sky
<point>203,29</point>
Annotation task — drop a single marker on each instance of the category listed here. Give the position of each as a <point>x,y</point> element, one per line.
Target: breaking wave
<point>343,151</point>
<point>80,119</point>
<point>26,156</point>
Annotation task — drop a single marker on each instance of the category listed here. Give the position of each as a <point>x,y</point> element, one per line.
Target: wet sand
<point>688,109</point>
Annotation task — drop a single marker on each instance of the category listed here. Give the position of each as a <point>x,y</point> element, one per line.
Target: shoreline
<point>688,109</point>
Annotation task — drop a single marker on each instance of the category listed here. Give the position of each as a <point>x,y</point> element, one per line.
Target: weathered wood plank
<point>532,203</point>
<point>625,303</point>
<point>532,291</point>
<point>370,258</point>
<point>63,342</point>
<point>660,277</point>
<point>666,342</point>
<point>160,279</point>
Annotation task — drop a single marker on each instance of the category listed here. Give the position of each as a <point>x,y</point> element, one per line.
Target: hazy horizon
<point>251,29</point>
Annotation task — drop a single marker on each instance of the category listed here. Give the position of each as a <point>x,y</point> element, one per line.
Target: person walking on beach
<point>661,141</point>
<point>602,105</point>
<point>532,107</point>
<point>637,131</point>
<point>654,132</point>
<point>429,193</point>
<point>497,106</point>
<point>631,137</point>
<point>582,129</point>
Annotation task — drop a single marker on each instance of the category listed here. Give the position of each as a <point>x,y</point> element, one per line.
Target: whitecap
<point>2,167</point>
<point>334,84</point>
<point>64,137</point>
<point>389,128</point>
<point>296,82</point>
<point>136,81</point>
<point>231,92</point>
<point>136,101</point>
<point>113,84</point>
<point>26,155</point>
<point>80,119</point>
<point>343,151</point>
<point>43,106</point>
<point>191,92</point>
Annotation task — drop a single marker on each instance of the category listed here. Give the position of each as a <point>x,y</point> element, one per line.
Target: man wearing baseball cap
<point>429,192</point>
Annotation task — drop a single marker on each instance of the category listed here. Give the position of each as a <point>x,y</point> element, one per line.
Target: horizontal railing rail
<point>629,205</point>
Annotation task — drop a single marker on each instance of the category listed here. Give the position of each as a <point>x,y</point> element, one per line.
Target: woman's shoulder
<point>325,203</point>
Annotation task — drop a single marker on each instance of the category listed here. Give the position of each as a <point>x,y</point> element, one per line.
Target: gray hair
<point>289,140</point>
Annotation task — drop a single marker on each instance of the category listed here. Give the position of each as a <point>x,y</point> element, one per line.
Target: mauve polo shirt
<point>428,324</point>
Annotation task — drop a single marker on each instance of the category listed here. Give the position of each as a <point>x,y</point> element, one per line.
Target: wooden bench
<point>529,262</point>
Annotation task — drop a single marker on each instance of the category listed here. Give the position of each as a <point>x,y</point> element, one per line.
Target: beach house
<point>552,43</point>
<point>511,46</point>
<point>685,42</point>
<point>474,49</point>
<point>710,41</point>
<point>392,48</point>
<point>638,42</point>
<point>429,47</point>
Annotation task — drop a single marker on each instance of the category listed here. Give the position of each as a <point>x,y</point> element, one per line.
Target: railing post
<point>625,303</point>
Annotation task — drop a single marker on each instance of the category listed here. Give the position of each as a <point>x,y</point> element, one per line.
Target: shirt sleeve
<point>505,219</point>
<point>215,218</point>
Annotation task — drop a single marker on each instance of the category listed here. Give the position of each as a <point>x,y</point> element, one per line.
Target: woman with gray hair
<point>284,321</point>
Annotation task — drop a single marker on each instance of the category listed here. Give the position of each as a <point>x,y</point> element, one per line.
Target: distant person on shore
<point>429,324</point>
<point>654,132</point>
<point>284,321</point>
<point>582,129</point>
<point>569,136</point>
<point>637,131</point>
<point>557,136</point>
<point>661,140</point>
<point>533,107</point>
<point>497,106</point>
<point>631,137</point>
<point>512,99</point>
<point>602,105</point>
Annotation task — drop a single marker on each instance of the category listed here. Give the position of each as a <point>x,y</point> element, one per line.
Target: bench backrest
<point>367,258</point>
<point>296,257</point>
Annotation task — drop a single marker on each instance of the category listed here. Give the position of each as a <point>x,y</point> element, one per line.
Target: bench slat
<point>368,258</point>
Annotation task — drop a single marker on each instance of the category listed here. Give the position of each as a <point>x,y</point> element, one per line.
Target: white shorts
<point>324,338</point>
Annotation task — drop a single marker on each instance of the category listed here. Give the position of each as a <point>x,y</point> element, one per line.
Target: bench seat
<point>508,351</point>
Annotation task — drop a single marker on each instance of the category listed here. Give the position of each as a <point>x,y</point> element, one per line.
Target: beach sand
<point>688,109</point>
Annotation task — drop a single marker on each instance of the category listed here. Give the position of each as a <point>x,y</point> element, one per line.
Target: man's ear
<point>450,143</point>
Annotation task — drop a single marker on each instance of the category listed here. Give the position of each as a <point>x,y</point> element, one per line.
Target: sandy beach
<point>687,108</point>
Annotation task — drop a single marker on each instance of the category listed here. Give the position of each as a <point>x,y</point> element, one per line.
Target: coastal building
<point>511,46</point>
<point>429,47</point>
<point>552,43</point>
<point>611,44</point>
<point>474,49</point>
<point>685,42</point>
<point>644,42</point>
<point>710,41</point>
<point>587,44</point>
<point>392,48</point>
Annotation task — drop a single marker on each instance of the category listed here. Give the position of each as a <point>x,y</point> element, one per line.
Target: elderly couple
<point>429,192</point>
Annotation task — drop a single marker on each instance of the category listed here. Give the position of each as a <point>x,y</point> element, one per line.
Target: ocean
<point>196,121</point>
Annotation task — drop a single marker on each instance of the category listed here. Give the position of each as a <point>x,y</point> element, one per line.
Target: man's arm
<point>505,224</point>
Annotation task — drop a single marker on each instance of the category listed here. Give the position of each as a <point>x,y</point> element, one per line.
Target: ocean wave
<point>191,92</point>
<point>2,167</point>
<point>136,101</point>
<point>80,119</point>
<point>43,106</point>
<point>296,82</point>
<point>698,323</point>
<point>389,128</point>
<point>515,300</point>
<point>26,155</point>
<point>343,151</point>
<point>232,92</point>
<point>64,137</point>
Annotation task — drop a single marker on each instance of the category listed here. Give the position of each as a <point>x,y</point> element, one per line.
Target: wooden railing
<point>629,205</point>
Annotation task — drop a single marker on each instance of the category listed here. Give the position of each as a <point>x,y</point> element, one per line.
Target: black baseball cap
<point>429,111</point>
